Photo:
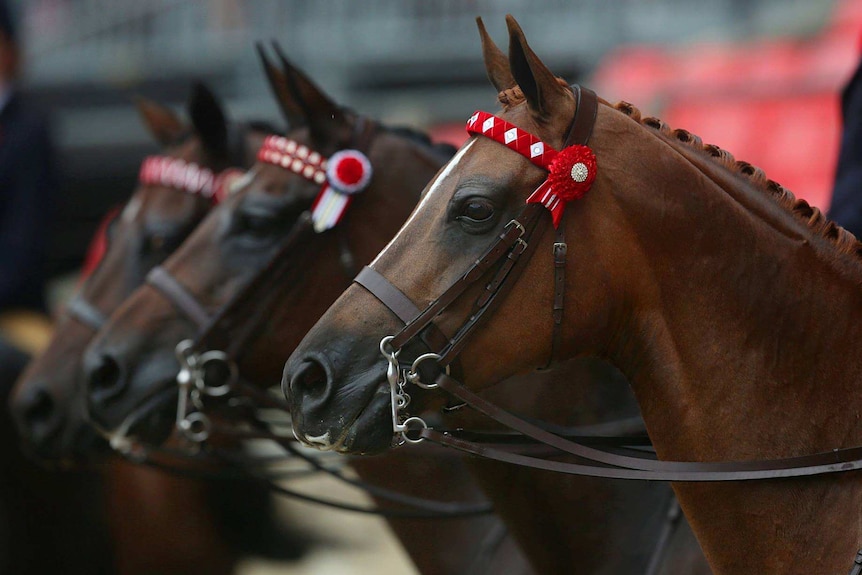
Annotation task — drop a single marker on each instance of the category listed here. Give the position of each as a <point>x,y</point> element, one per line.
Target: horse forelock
<point>844,241</point>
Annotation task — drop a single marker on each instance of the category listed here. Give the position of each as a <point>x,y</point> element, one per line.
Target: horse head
<point>469,203</point>
<point>162,210</point>
<point>264,265</point>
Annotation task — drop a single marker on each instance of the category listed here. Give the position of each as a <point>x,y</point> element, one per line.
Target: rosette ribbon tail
<point>545,195</point>
<point>329,208</point>
<point>571,174</point>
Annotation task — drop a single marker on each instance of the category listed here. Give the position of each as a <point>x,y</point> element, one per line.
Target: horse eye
<point>477,210</point>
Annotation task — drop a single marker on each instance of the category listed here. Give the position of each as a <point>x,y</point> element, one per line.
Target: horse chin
<point>79,444</point>
<point>371,431</point>
<point>74,445</point>
<point>150,423</point>
<point>154,428</point>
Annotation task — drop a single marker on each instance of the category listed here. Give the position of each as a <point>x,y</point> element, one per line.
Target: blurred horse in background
<point>262,273</point>
<point>176,191</point>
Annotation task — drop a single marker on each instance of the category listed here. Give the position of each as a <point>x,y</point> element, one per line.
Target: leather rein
<point>499,269</point>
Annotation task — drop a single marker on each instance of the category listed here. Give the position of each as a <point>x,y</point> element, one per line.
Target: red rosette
<point>348,171</point>
<point>572,172</point>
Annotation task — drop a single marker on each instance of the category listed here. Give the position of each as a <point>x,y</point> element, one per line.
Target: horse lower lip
<point>321,442</point>
<point>134,424</point>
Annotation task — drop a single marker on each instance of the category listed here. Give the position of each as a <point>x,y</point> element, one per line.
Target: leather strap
<point>560,251</point>
<point>178,295</point>
<point>587,107</point>
<point>86,313</point>
<point>586,110</point>
<point>614,466</point>
<point>388,294</point>
<point>511,268</point>
<point>505,241</point>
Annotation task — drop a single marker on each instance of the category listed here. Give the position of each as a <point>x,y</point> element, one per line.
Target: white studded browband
<point>186,176</point>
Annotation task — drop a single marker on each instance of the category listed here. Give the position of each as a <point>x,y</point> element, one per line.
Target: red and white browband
<point>186,176</point>
<point>346,173</point>
<point>572,170</point>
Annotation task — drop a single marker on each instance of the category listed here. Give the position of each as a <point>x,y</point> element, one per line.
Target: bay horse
<point>732,307</point>
<point>158,216</point>
<point>214,269</point>
<point>241,240</point>
<point>48,403</point>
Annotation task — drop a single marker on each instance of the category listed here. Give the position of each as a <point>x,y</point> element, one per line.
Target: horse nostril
<point>310,379</point>
<point>106,377</point>
<point>36,412</point>
<point>41,408</point>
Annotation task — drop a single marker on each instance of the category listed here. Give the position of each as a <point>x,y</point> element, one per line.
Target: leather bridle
<point>500,267</point>
<point>216,332</point>
<point>79,307</point>
<point>219,333</point>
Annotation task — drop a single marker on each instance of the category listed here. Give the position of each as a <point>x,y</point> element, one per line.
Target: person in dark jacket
<point>846,208</point>
<point>27,183</point>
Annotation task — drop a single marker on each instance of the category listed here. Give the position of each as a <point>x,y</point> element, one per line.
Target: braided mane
<point>844,241</point>
<point>818,223</point>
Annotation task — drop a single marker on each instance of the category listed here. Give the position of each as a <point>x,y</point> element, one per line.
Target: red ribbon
<point>572,173</point>
<point>572,170</point>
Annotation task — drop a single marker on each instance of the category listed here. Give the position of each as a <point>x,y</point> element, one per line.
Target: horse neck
<point>739,303</point>
<point>744,326</point>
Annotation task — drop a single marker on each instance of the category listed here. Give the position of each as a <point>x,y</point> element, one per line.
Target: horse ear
<point>326,119</point>
<point>165,126</point>
<point>542,90</point>
<point>208,120</point>
<point>496,63</point>
<point>278,83</point>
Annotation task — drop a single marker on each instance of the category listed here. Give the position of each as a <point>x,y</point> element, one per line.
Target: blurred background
<point>758,77</point>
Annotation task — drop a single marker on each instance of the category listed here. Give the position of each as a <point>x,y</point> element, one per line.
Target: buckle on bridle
<point>560,249</point>
<point>516,223</point>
